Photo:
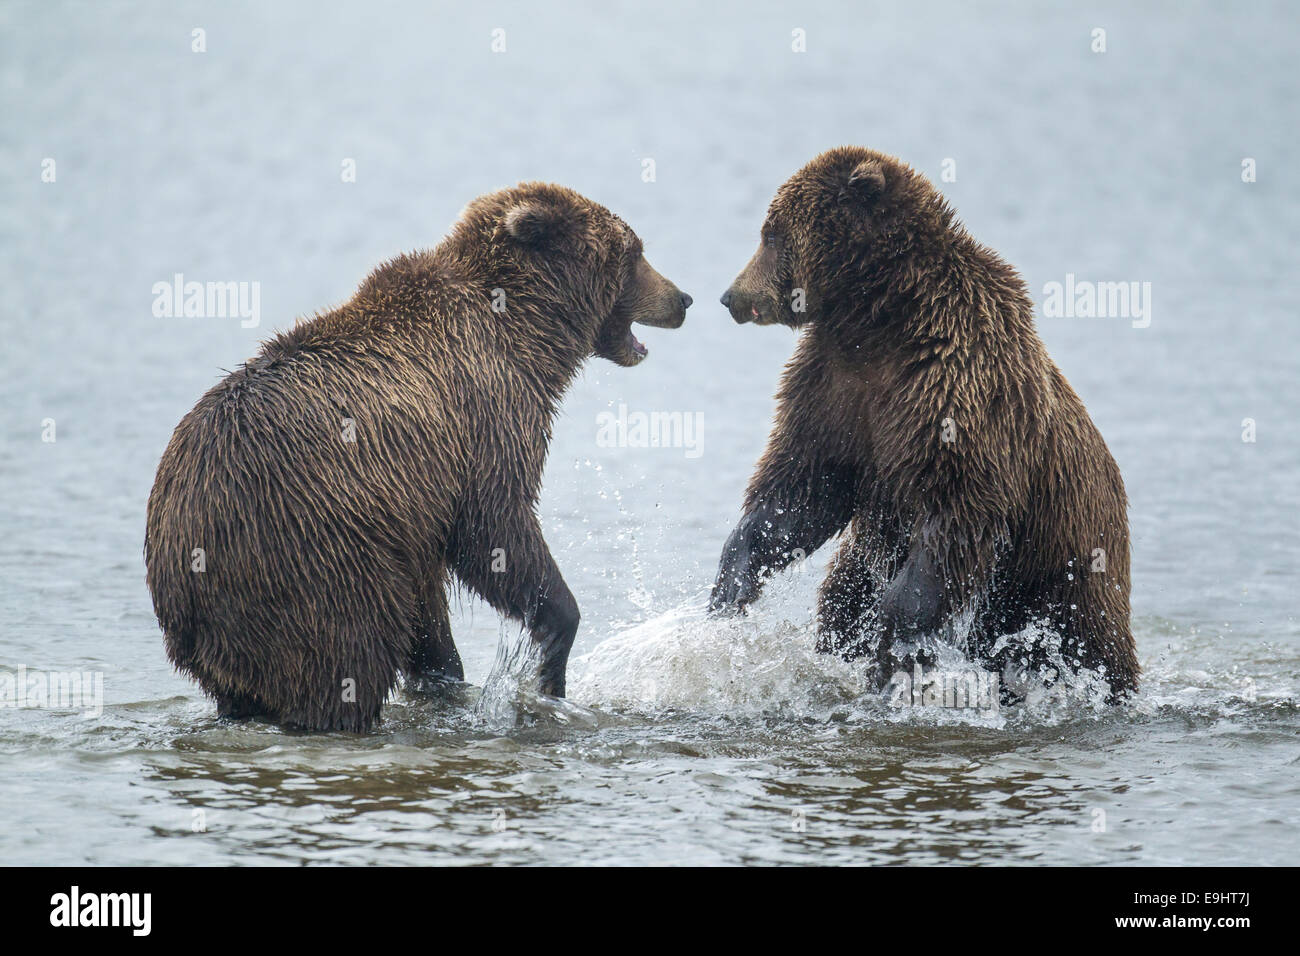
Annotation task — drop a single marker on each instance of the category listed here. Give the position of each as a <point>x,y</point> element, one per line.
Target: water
<point>685,740</point>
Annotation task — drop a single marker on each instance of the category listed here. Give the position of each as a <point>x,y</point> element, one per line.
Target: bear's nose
<point>726,299</point>
<point>686,301</point>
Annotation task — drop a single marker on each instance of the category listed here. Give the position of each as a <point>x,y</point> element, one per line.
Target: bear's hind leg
<point>236,706</point>
<point>434,658</point>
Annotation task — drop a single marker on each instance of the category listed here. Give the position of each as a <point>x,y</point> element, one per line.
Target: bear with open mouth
<point>309,512</point>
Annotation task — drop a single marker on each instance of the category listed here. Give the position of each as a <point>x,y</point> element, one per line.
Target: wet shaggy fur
<point>922,417</point>
<point>339,479</point>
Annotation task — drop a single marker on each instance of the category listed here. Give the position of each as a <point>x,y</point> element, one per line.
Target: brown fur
<point>910,324</point>
<point>329,560</point>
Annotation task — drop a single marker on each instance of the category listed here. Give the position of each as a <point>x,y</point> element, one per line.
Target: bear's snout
<point>668,313</point>
<point>742,310</point>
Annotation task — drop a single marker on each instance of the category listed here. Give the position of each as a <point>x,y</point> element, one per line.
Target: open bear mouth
<point>636,345</point>
<point>630,350</point>
<point>618,343</point>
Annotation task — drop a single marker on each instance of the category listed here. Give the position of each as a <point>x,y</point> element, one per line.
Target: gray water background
<point>686,741</point>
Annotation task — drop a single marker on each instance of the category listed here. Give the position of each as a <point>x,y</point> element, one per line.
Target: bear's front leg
<point>770,536</point>
<point>749,550</point>
<point>506,561</point>
<point>802,492</point>
<point>553,625</point>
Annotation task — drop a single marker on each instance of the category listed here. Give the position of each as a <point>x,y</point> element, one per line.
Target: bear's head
<point>574,267</point>
<point>850,214</point>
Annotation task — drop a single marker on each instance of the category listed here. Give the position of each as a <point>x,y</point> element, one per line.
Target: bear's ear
<point>867,180</point>
<point>535,223</point>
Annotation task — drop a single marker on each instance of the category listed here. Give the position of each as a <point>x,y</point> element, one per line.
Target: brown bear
<point>922,413</point>
<point>309,511</point>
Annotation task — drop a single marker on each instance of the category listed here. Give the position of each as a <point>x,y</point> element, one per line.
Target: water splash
<point>510,698</point>
<point>766,664</point>
<point>514,671</point>
<point>683,659</point>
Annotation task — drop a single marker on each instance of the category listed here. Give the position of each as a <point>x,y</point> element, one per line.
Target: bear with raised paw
<point>923,419</point>
<point>310,510</point>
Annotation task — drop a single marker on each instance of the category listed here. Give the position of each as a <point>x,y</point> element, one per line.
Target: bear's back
<point>294,467</point>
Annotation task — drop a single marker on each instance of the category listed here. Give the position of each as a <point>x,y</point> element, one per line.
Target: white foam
<point>684,659</point>
<point>766,663</point>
